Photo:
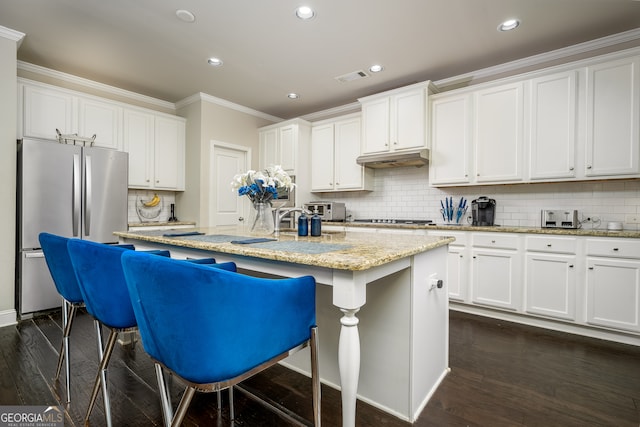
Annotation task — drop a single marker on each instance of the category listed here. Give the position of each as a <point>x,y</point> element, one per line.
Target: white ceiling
<point>141,46</point>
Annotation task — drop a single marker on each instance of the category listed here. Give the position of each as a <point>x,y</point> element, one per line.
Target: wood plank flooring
<point>502,374</point>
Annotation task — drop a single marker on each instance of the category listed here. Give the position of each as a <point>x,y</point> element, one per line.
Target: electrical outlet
<point>632,219</point>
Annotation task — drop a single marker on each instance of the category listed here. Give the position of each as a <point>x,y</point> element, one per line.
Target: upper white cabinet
<point>103,119</point>
<point>451,148</point>
<point>477,137</point>
<point>498,133</point>
<point>395,120</point>
<point>613,118</point>
<point>44,110</point>
<point>281,144</point>
<point>155,141</point>
<point>335,145</point>
<point>578,121</point>
<point>552,126</point>
<point>156,147</point>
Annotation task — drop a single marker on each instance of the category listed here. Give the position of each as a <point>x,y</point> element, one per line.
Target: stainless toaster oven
<point>328,211</point>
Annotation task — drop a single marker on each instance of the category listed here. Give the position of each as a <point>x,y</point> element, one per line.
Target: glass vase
<point>262,222</point>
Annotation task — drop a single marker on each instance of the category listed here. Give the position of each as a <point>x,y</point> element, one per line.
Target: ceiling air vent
<point>349,77</point>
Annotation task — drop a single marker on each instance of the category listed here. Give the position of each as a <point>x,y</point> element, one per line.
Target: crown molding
<point>332,112</point>
<point>531,61</point>
<point>201,96</point>
<point>25,66</point>
<point>10,34</point>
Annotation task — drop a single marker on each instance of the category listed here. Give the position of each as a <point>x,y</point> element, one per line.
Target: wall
<point>8,117</point>
<point>217,123</point>
<point>404,193</point>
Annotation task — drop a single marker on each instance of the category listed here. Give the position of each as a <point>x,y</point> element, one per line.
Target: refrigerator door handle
<point>34,255</point>
<point>87,199</point>
<point>76,196</point>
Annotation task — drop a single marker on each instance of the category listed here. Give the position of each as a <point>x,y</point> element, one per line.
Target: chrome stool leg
<point>68,314</point>
<point>101,377</point>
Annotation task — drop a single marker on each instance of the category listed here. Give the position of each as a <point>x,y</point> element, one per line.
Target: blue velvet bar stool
<point>98,269</point>
<point>244,325</point>
<point>57,258</point>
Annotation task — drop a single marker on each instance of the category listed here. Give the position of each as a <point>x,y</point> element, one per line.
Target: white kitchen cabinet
<point>496,271</point>
<point>458,265</point>
<point>613,283</point>
<point>156,147</point>
<point>103,119</point>
<point>45,109</point>
<point>552,126</point>
<point>280,144</point>
<point>335,145</point>
<point>451,144</point>
<point>613,118</point>
<point>498,131</point>
<point>551,276</point>
<point>395,120</point>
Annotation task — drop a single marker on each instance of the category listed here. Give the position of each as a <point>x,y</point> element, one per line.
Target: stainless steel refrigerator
<point>68,190</point>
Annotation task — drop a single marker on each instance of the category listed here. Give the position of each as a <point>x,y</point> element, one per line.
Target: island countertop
<point>337,250</point>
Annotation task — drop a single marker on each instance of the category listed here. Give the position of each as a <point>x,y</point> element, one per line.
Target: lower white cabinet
<point>550,276</point>
<point>591,282</point>
<point>613,283</point>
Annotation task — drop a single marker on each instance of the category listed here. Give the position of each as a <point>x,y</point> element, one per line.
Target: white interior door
<point>227,160</point>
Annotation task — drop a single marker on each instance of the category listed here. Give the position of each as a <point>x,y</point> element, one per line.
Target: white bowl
<point>614,226</point>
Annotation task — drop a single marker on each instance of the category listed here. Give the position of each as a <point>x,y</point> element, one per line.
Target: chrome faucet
<point>281,214</point>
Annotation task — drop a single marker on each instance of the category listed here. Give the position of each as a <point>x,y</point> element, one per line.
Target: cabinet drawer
<point>495,240</point>
<point>462,238</point>
<point>621,248</point>
<point>565,245</point>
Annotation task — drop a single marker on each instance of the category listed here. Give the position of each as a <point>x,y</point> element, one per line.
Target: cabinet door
<point>288,147</point>
<point>46,110</point>
<point>613,293</point>
<point>103,119</point>
<point>550,283</point>
<point>169,154</point>
<point>613,111</point>
<point>138,138</point>
<point>322,158</point>
<point>408,120</point>
<point>458,272</point>
<point>552,126</point>
<point>498,133</point>
<point>348,173</point>
<point>496,278</point>
<point>375,126</point>
<point>450,140</point>
<point>269,150</point>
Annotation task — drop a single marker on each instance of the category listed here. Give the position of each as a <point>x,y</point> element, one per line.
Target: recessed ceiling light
<point>185,15</point>
<point>293,95</point>
<point>305,12</point>
<point>376,68</point>
<point>214,62</point>
<point>508,25</point>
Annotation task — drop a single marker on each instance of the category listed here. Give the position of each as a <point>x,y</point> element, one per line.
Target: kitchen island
<point>390,346</point>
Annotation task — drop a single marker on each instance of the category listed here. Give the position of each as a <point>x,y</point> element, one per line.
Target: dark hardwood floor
<point>502,374</point>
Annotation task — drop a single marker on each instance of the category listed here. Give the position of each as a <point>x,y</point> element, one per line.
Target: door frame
<point>213,193</point>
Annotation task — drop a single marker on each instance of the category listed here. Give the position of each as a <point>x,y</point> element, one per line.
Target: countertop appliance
<point>483,211</point>
<point>68,190</point>
<point>328,211</point>
<point>559,218</point>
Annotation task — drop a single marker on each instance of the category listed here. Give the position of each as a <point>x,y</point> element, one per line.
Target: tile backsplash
<point>404,193</point>
<point>160,213</point>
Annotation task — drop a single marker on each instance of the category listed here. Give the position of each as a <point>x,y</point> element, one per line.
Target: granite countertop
<point>336,250</point>
<point>161,224</point>
<point>497,229</point>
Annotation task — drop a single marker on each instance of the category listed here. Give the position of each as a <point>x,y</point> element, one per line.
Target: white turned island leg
<point>349,365</point>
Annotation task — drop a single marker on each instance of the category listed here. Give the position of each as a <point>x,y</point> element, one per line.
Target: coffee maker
<point>483,211</point>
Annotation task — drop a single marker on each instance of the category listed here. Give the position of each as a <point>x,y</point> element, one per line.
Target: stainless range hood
<point>415,158</point>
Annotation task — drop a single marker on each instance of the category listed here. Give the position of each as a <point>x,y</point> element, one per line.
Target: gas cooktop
<point>395,221</point>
